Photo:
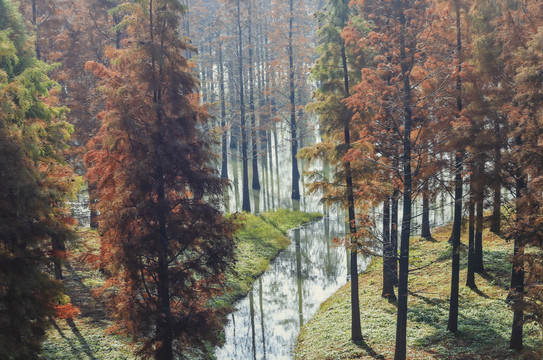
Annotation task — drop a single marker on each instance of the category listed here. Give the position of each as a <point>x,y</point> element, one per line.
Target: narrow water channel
<point>267,321</point>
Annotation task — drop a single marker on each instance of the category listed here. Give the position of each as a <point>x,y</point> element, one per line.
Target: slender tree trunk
<point>517,275</point>
<point>479,198</point>
<point>495,223</point>
<point>388,255</point>
<point>35,23</point>
<point>224,164</point>
<point>471,240</point>
<point>401,321</point>
<point>426,233</point>
<point>356,331</point>
<point>295,194</point>
<point>254,140</point>
<point>394,234</point>
<point>163,321</point>
<point>452,324</point>
<point>246,204</point>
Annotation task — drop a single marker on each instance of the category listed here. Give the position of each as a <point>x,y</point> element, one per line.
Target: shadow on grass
<point>474,337</point>
<point>429,301</point>
<point>480,293</point>
<point>82,341</point>
<point>368,349</point>
<point>83,297</point>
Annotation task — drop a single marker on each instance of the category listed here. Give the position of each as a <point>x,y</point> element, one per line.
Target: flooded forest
<point>281,179</point>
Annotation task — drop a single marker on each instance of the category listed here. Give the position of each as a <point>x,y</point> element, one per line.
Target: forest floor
<point>484,317</point>
<point>87,337</point>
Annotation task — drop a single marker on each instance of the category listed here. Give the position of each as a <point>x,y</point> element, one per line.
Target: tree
<point>395,91</point>
<point>452,324</point>
<point>164,243</point>
<point>334,71</point>
<point>36,183</point>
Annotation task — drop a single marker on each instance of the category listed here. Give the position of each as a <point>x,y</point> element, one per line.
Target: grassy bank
<point>259,241</point>
<point>484,320</point>
<point>86,337</point>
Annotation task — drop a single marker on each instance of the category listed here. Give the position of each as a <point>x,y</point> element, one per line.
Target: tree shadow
<point>362,344</point>
<point>82,341</point>
<point>83,297</point>
<point>429,301</point>
<point>480,293</point>
<point>57,328</point>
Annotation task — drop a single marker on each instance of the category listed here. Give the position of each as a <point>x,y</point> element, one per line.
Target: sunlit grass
<point>484,321</point>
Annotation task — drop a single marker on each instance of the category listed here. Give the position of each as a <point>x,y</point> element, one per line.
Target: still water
<point>267,321</point>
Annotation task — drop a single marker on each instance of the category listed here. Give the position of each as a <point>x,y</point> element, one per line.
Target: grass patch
<point>484,317</point>
<point>259,241</point>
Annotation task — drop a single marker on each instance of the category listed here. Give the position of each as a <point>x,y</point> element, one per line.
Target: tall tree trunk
<point>426,233</point>
<point>163,321</point>
<point>517,274</point>
<point>246,204</point>
<point>35,23</point>
<point>470,282</point>
<point>452,324</point>
<point>388,255</point>
<point>401,321</point>
<point>254,140</point>
<point>295,194</point>
<point>224,164</point>
<point>479,198</point>
<point>356,331</point>
<point>495,223</point>
<point>394,233</point>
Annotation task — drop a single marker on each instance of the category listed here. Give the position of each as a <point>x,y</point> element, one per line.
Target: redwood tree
<point>164,246</point>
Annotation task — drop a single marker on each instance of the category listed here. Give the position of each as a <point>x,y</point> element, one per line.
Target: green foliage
<point>35,184</point>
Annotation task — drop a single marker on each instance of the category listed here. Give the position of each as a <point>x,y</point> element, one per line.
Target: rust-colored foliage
<point>164,246</point>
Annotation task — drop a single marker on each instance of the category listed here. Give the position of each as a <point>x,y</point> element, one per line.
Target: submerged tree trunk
<point>254,140</point>
<point>295,194</point>
<point>246,204</point>
<point>224,152</point>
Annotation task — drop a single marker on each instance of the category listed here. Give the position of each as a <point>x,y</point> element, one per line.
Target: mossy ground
<point>86,337</point>
<point>484,321</point>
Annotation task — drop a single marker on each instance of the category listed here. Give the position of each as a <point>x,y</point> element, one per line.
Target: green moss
<point>484,320</point>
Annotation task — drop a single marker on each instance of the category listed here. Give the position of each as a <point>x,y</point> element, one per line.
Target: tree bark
<point>401,321</point>
<point>388,255</point>
<point>426,233</point>
<point>254,139</point>
<point>246,204</point>
<point>479,198</point>
<point>394,233</point>
<point>452,324</point>
<point>224,163</point>
<point>517,274</point>
<point>163,321</point>
<point>495,223</point>
<point>470,282</point>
